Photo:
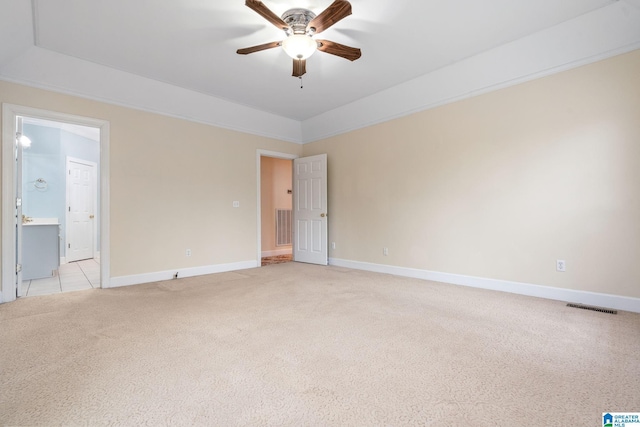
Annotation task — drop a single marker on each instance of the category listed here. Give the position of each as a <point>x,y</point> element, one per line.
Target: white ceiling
<point>187,47</point>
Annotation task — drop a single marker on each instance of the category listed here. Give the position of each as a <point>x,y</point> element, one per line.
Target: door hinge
<point>69,245</point>
<point>18,268</point>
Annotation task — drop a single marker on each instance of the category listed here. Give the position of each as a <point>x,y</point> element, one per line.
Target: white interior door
<point>310,210</point>
<point>81,190</point>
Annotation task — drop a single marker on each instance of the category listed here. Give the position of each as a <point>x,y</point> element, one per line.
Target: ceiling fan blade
<point>347,52</point>
<point>266,13</point>
<point>338,10</point>
<point>299,67</point>
<point>258,48</point>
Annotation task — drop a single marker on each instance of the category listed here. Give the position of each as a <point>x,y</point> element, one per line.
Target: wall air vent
<point>283,227</point>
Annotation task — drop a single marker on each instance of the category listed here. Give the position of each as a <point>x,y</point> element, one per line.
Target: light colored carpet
<point>302,345</point>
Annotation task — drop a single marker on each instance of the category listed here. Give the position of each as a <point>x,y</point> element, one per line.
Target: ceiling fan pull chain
<point>300,77</point>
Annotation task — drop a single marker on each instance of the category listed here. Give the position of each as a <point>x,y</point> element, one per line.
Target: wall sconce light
<point>23,140</point>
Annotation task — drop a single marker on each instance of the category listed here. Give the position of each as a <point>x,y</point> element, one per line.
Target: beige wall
<point>275,180</point>
<point>501,185</point>
<point>497,186</point>
<point>172,185</point>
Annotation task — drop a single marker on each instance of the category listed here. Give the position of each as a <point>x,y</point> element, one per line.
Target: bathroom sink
<point>42,221</point>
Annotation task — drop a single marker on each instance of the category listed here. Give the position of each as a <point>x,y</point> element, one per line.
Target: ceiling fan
<point>300,25</point>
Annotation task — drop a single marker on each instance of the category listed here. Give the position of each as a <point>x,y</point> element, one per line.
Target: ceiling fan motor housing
<point>298,19</point>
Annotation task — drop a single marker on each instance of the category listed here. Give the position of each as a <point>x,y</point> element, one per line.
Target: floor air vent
<point>592,308</point>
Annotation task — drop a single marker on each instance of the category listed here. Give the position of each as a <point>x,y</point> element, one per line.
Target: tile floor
<point>74,276</point>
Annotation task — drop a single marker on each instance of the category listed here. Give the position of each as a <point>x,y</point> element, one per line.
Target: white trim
<point>159,276</point>
<point>286,251</point>
<point>153,96</point>
<point>8,292</point>
<point>315,128</point>
<point>265,153</point>
<point>9,114</point>
<point>594,36</point>
<point>617,302</point>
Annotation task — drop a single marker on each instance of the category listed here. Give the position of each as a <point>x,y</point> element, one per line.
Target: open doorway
<point>308,184</point>
<point>39,187</point>
<point>60,205</point>
<point>276,193</point>
<point>275,188</point>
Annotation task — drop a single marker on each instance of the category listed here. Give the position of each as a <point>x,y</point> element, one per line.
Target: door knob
<point>323,215</point>
<point>90,216</point>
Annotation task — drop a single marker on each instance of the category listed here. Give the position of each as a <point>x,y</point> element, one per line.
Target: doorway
<point>38,189</point>
<point>59,191</point>
<point>276,226</point>
<point>308,217</point>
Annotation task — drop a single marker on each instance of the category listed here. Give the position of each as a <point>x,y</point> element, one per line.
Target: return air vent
<point>283,227</point>
<point>592,308</point>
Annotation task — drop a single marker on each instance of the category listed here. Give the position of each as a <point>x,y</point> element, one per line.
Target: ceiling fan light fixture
<point>300,26</point>
<point>299,46</point>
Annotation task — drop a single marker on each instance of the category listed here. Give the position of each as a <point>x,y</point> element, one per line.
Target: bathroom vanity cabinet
<point>40,250</point>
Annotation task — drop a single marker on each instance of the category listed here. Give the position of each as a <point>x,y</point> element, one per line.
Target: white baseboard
<point>616,302</point>
<point>286,251</point>
<point>158,276</point>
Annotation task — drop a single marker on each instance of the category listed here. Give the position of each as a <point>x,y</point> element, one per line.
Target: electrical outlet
<point>236,204</point>
<point>188,252</point>
<point>561,265</point>
<point>333,245</point>
<point>385,251</point>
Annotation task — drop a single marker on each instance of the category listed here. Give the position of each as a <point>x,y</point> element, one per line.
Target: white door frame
<point>18,206</point>
<point>259,154</point>
<point>67,214</point>
<point>9,114</point>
